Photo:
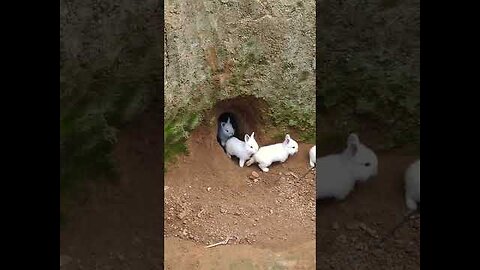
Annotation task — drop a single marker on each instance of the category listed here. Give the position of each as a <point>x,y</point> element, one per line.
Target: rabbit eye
<point>367,164</point>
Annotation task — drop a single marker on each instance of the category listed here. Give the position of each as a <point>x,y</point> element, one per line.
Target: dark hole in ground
<point>245,113</point>
<point>225,118</point>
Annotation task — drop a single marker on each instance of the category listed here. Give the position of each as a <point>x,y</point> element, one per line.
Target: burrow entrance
<point>210,197</point>
<point>246,115</point>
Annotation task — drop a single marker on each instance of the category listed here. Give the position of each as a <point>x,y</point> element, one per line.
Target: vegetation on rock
<point>369,74</point>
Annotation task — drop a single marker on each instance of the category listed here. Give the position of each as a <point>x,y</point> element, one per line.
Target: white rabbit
<point>242,150</point>
<point>313,153</point>
<point>225,131</point>
<point>412,185</point>
<point>337,174</point>
<point>266,155</point>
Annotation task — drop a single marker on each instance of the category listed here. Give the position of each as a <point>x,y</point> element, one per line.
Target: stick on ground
<point>224,242</point>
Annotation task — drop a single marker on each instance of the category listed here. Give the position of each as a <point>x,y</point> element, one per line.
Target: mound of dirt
<point>270,217</point>
<point>208,198</point>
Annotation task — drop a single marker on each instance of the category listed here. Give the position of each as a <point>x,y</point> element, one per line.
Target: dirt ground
<point>350,233</point>
<point>208,198</point>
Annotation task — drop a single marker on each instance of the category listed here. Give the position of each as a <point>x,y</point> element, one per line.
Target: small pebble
<point>183,214</point>
<point>335,226</point>
<point>351,226</point>
<point>64,260</point>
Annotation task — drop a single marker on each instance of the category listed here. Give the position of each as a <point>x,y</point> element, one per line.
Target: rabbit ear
<point>228,120</point>
<point>253,134</point>
<point>353,139</point>
<point>287,139</point>
<point>247,137</point>
<point>353,143</point>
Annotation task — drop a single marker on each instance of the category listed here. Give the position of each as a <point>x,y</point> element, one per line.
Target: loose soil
<point>271,219</point>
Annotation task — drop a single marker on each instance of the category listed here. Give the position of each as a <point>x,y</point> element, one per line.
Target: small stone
<point>335,226</point>
<point>351,226</point>
<point>223,211</point>
<point>64,260</point>
<point>254,175</point>
<point>271,211</point>
<point>121,257</point>
<point>372,232</point>
<point>136,241</point>
<point>165,188</point>
<point>183,214</point>
<point>209,188</point>
<point>361,247</point>
<point>342,239</point>
<point>255,180</point>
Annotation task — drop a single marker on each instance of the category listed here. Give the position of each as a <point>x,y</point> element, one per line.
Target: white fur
<point>337,174</point>
<point>412,185</point>
<point>242,150</point>
<point>266,155</point>
<point>225,131</point>
<point>313,153</point>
